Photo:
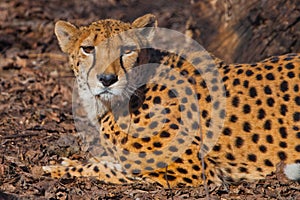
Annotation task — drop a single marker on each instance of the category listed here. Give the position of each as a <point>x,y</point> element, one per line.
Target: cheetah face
<point>104,67</point>
<point>102,54</point>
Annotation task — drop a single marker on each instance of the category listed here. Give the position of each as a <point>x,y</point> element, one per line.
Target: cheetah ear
<point>145,21</point>
<point>65,33</point>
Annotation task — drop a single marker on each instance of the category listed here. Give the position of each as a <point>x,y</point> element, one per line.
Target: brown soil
<point>36,122</point>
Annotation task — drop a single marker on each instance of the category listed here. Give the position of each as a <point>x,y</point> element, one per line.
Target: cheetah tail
<point>292,171</point>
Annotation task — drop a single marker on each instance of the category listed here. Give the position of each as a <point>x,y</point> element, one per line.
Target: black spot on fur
<point>229,156</point>
<point>289,66</point>
<point>233,118</point>
<point>270,76</point>
<point>284,86</point>
<point>255,138</point>
<point>252,157</point>
<point>283,109</point>
<point>283,132</point>
<point>268,163</point>
<point>283,144</point>
<point>263,148</point>
<point>282,155</point>
<point>296,116</point>
<point>252,92</point>
<point>169,177</point>
<point>157,100</point>
<point>157,144</point>
<point>96,169</point>
<point>261,114</point>
<point>164,134</point>
<point>269,139</point>
<point>181,170</point>
<point>239,142</point>
<point>247,127</point>
<point>188,180</point>
<point>268,125</point>
<point>227,131</point>
<point>188,152</point>
<point>235,101</point>
<point>246,109</point>
<point>270,102</point>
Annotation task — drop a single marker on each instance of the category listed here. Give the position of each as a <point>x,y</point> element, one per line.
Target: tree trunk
<point>247,31</point>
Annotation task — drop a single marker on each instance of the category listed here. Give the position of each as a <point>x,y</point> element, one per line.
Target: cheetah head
<point>102,53</point>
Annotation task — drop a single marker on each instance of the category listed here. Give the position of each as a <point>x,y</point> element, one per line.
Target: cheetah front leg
<point>105,170</point>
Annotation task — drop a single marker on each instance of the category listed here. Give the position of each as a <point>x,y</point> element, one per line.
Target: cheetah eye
<point>88,49</point>
<point>127,49</point>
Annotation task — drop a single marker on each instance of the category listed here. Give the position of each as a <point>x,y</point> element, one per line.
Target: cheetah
<point>175,124</point>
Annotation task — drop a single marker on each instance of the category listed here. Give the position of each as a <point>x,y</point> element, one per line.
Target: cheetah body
<point>256,128</point>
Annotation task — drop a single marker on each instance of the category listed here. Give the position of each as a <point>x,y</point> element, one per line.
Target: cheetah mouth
<point>105,95</point>
<point>101,92</point>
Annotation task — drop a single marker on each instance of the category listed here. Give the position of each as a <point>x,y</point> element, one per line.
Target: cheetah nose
<point>107,79</point>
